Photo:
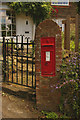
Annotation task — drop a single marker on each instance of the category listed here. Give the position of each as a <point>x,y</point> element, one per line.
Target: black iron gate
<point>19,61</point>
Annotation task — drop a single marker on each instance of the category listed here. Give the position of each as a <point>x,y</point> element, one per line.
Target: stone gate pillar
<point>47,96</point>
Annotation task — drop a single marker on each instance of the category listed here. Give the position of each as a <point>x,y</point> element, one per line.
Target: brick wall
<point>47,96</point>
<point>68,10</point>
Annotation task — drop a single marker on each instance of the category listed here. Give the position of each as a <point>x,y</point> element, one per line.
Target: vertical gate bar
<point>35,81</point>
<point>7,60</point>
<point>4,59</point>
<point>16,59</point>
<point>22,60</point>
<point>27,65</point>
<point>12,56</point>
<point>32,61</point>
<point>34,69</point>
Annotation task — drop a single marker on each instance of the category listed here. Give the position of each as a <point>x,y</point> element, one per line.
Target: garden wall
<point>47,97</point>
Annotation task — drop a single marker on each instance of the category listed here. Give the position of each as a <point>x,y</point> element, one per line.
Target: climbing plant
<point>37,10</point>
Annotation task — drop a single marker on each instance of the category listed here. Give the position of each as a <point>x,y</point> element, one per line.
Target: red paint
<point>48,56</point>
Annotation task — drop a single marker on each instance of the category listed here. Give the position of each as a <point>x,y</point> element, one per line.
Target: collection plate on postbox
<point>48,56</point>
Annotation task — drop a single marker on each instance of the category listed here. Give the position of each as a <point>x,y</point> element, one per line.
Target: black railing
<point>19,61</point>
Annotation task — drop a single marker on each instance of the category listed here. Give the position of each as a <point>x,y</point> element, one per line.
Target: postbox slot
<point>47,45</point>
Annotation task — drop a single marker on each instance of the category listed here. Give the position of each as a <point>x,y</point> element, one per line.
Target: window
<point>26,31</point>
<point>26,22</point>
<point>7,23</point>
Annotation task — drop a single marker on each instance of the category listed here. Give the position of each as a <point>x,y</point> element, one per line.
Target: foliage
<point>72,45</point>
<point>70,66</point>
<point>72,32</point>
<point>65,117</point>
<point>69,85</point>
<point>52,115</point>
<point>37,10</point>
<point>69,100</point>
<point>72,38</point>
<point>78,5</point>
<point>62,34</point>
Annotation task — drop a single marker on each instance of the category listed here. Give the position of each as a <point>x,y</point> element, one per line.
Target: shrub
<point>72,45</point>
<point>52,115</point>
<point>72,38</point>
<point>69,85</point>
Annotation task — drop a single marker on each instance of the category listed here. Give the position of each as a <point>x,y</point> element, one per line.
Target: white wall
<point>22,27</point>
<point>59,22</point>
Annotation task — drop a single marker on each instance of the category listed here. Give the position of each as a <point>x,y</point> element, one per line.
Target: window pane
<point>13,27</point>
<point>13,14</point>
<point>13,20</point>
<point>3,27</point>
<point>8,23</point>
<point>8,13</point>
<point>9,27</point>
<point>13,33</point>
<point>9,18</point>
<point>3,33</point>
<point>2,12</point>
<point>26,22</point>
<point>3,20</point>
<point>9,33</point>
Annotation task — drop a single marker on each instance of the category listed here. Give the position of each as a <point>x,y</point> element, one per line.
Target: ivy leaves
<point>38,11</point>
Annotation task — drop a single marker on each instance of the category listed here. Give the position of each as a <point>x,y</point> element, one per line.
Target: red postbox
<point>48,56</point>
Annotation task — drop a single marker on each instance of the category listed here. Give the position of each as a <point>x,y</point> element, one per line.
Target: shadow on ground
<point>28,94</point>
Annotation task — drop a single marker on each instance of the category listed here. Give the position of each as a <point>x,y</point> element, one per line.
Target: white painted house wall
<point>22,28</point>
